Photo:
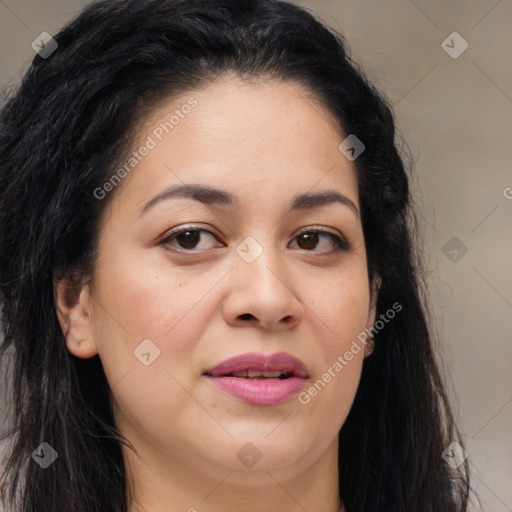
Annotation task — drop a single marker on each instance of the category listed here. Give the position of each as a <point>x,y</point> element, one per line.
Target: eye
<point>310,238</point>
<point>187,238</point>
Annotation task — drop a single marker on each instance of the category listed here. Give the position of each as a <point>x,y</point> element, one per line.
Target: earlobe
<point>73,311</point>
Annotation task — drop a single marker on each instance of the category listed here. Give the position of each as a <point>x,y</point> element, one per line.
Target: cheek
<point>147,332</point>
<point>150,300</point>
<point>329,396</point>
<point>343,308</point>
<point>328,399</point>
<point>147,400</point>
<point>343,305</point>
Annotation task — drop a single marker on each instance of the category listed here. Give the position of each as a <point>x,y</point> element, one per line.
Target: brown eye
<point>309,240</point>
<point>187,239</point>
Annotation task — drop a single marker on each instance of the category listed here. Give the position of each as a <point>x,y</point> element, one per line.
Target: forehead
<point>245,137</point>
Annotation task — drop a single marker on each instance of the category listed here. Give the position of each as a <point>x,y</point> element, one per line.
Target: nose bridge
<point>265,292</point>
<point>261,260</point>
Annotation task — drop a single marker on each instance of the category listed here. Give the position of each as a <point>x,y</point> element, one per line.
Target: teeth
<point>251,374</point>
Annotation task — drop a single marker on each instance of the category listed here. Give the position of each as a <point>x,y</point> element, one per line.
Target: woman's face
<point>250,276</point>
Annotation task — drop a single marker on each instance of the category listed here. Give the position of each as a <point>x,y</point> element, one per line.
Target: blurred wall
<point>452,95</point>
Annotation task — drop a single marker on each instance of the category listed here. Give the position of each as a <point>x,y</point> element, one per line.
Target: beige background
<point>456,116</point>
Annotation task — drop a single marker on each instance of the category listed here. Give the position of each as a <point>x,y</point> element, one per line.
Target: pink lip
<point>265,391</point>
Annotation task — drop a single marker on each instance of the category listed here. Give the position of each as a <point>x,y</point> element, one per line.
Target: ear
<point>370,322</point>
<point>72,304</point>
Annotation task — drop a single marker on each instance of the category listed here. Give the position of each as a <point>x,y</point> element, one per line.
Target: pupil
<point>188,237</point>
<point>311,239</point>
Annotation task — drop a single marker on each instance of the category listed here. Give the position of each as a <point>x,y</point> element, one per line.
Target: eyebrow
<point>211,196</point>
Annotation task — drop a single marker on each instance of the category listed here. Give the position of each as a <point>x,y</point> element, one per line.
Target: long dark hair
<point>61,135</point>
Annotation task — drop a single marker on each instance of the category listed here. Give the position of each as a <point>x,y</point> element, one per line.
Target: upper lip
<point>279,361</point>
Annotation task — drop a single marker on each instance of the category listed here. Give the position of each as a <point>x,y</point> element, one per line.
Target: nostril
<point>246,316</point>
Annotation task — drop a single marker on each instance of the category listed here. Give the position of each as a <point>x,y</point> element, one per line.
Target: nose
<point>263,293</point>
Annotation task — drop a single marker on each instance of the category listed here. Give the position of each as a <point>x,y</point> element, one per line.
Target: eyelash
<point>340,244</point>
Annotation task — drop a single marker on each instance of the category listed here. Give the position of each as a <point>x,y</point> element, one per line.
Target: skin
<point>263,142</point>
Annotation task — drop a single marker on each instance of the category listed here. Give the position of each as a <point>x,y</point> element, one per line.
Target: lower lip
<point>260,392</point>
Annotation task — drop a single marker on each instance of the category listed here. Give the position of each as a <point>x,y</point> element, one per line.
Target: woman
<point>208,274</point>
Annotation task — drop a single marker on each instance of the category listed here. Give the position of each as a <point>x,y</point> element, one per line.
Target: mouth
<point>256,375</point>
<point>259,379</point>
<point>260,366</point>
